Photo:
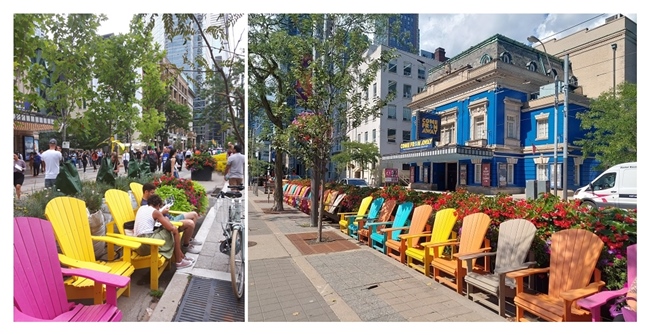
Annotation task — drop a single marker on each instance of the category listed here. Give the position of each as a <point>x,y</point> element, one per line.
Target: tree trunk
<point>278,205</point>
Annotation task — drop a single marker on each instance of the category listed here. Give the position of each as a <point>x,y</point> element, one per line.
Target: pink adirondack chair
<point>39,293</point>
<point>594,302</point>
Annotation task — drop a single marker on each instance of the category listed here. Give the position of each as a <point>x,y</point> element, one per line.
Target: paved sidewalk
<point>356,284</point>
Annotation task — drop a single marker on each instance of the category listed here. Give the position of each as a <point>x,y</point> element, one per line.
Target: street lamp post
<point>614,69</point>
<point>533,39</point>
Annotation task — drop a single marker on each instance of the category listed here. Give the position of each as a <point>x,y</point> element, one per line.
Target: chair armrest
<point>426,244</point>
<point>100,277</point>
<point>177,223</point>
<point>575,294</point>
<point>475,255</point>
<point>481,251</point>
<point>412,236</point>
<point>75,263</point>
<point>509,269</point>
<point>379,223</point>
<point>117,241</point>
<point>600,298</point>
<point>143,240</point>
<point>176,212</point>
<point>527,272</point>
<point>386,230</point>
<point>443,244</point>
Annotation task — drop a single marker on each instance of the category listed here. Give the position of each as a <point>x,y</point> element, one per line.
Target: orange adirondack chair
<point>472,236</point>
<point>397,249</point>
<point>385,215</point>
<point>574,253</point>
<point>418,256</point>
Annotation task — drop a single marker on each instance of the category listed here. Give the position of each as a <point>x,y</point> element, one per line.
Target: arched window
<point>505,57</point>
<point>551,73</point>
<point>531,66</point>
<point>485,59</point>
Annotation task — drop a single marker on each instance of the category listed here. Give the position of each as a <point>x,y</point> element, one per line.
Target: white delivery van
<point>615,187</point>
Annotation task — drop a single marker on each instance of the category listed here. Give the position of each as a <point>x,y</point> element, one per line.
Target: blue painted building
<point>490,111</point>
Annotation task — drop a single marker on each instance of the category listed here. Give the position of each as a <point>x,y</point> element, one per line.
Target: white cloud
<point>117,23</point>
<point>459,32</point>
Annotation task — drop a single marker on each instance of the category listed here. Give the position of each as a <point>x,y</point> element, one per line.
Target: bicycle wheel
<point>237,263</point>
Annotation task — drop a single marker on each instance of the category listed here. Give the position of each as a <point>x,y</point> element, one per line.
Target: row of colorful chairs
<point>43,292</point>
<point>574,280</point>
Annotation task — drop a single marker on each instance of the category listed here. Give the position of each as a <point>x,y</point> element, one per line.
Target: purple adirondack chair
<point>594,302</point>
<point>39,293</point>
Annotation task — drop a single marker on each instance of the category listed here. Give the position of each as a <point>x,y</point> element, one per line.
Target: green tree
<point>177,116</point>
<point>74,39</point>
<point>324,68</point>
<point>610,127</point>
<point>229,70</point>
<point>29,71</point>
<point>155,94</point>
<point>357,152</point>
<point>114,107</point>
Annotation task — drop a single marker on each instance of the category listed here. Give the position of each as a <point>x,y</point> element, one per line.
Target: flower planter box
<point>204,174</point>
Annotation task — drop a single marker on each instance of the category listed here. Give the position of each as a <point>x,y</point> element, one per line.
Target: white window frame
<point>374,135</point>
<point>477,173</point>
<point>374,90</point>
<point>421,89</point>
<point>365,137</point>
<point>404,132</point>
<point>407,91</point>
<point>406,114</point>
<point>478,111</point>
<point>392,83</point>
<point>394,135</point>
<point>448,121</point>
<point>359,137</point>
<point>541,127</point>
<point>424,72</point>
<point>513,121</point>
<point>542,172</point>
<point>511,174</point>
<point>388,112</point>
<point>407,70</point>
<point>392,66</point>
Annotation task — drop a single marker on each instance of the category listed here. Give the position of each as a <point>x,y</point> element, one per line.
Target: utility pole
<point>614,69</point>
<point>565,165</point>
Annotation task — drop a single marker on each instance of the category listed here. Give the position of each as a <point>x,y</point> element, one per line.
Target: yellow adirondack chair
<point>136,189</point>
<point>69,220</point>
<point>359,215</point>
<point>421,215</point>
<point>418,256</point>
<point>119,204</point>
<point>472,236</point>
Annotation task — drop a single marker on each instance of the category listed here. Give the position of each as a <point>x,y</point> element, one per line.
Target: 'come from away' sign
<point>426,143</point>
<point>429,126</point>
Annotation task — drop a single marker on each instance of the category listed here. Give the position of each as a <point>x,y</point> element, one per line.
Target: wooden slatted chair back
<point>473,232</point>
<point>136,189</point>
<point>119,204</point>
<point>69,220</point>
<point>38,280</point>
<point>442,226</point>
<point>574,253</point>
<point>631,264</point>
<point>401,219</point>
<point>375,207</point>
<point>421,215</point>
<point>386,211</point>
<point>336,203</point>
<point>515,238</point>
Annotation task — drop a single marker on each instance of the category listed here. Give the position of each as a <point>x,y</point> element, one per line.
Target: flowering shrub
<point>194,192</point>
<point>616,227</point>
<point>200,160</point>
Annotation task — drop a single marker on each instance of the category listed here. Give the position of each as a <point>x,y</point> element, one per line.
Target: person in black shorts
<point>19,174</point>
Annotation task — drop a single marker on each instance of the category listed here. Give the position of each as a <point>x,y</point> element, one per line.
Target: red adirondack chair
<point>39,293</point>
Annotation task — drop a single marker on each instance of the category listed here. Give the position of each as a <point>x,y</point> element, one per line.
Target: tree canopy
<point>610,127</point>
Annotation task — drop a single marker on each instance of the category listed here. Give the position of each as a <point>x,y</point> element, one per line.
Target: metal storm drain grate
<point>209,300</point>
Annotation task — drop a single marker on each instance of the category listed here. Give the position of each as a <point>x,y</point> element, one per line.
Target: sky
<point>458,32</point>
<point>118,23</point>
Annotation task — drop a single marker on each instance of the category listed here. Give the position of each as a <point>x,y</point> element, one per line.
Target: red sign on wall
<point>485,174</point>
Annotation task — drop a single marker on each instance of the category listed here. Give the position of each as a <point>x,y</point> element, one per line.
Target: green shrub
<point>180,200</point>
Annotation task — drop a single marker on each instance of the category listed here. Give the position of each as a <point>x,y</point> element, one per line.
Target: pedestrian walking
<point>93,158</point>
<point>19,174</point>
<point>51,159</point>
<point>234,173</point>
<point>36,164</point>
<point>84,160</point>
<point>126,157</point>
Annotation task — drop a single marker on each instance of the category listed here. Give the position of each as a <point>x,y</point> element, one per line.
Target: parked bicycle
<point>233,230</point>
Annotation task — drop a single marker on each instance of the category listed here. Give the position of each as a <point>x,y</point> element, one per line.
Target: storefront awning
<point>440,154</point>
